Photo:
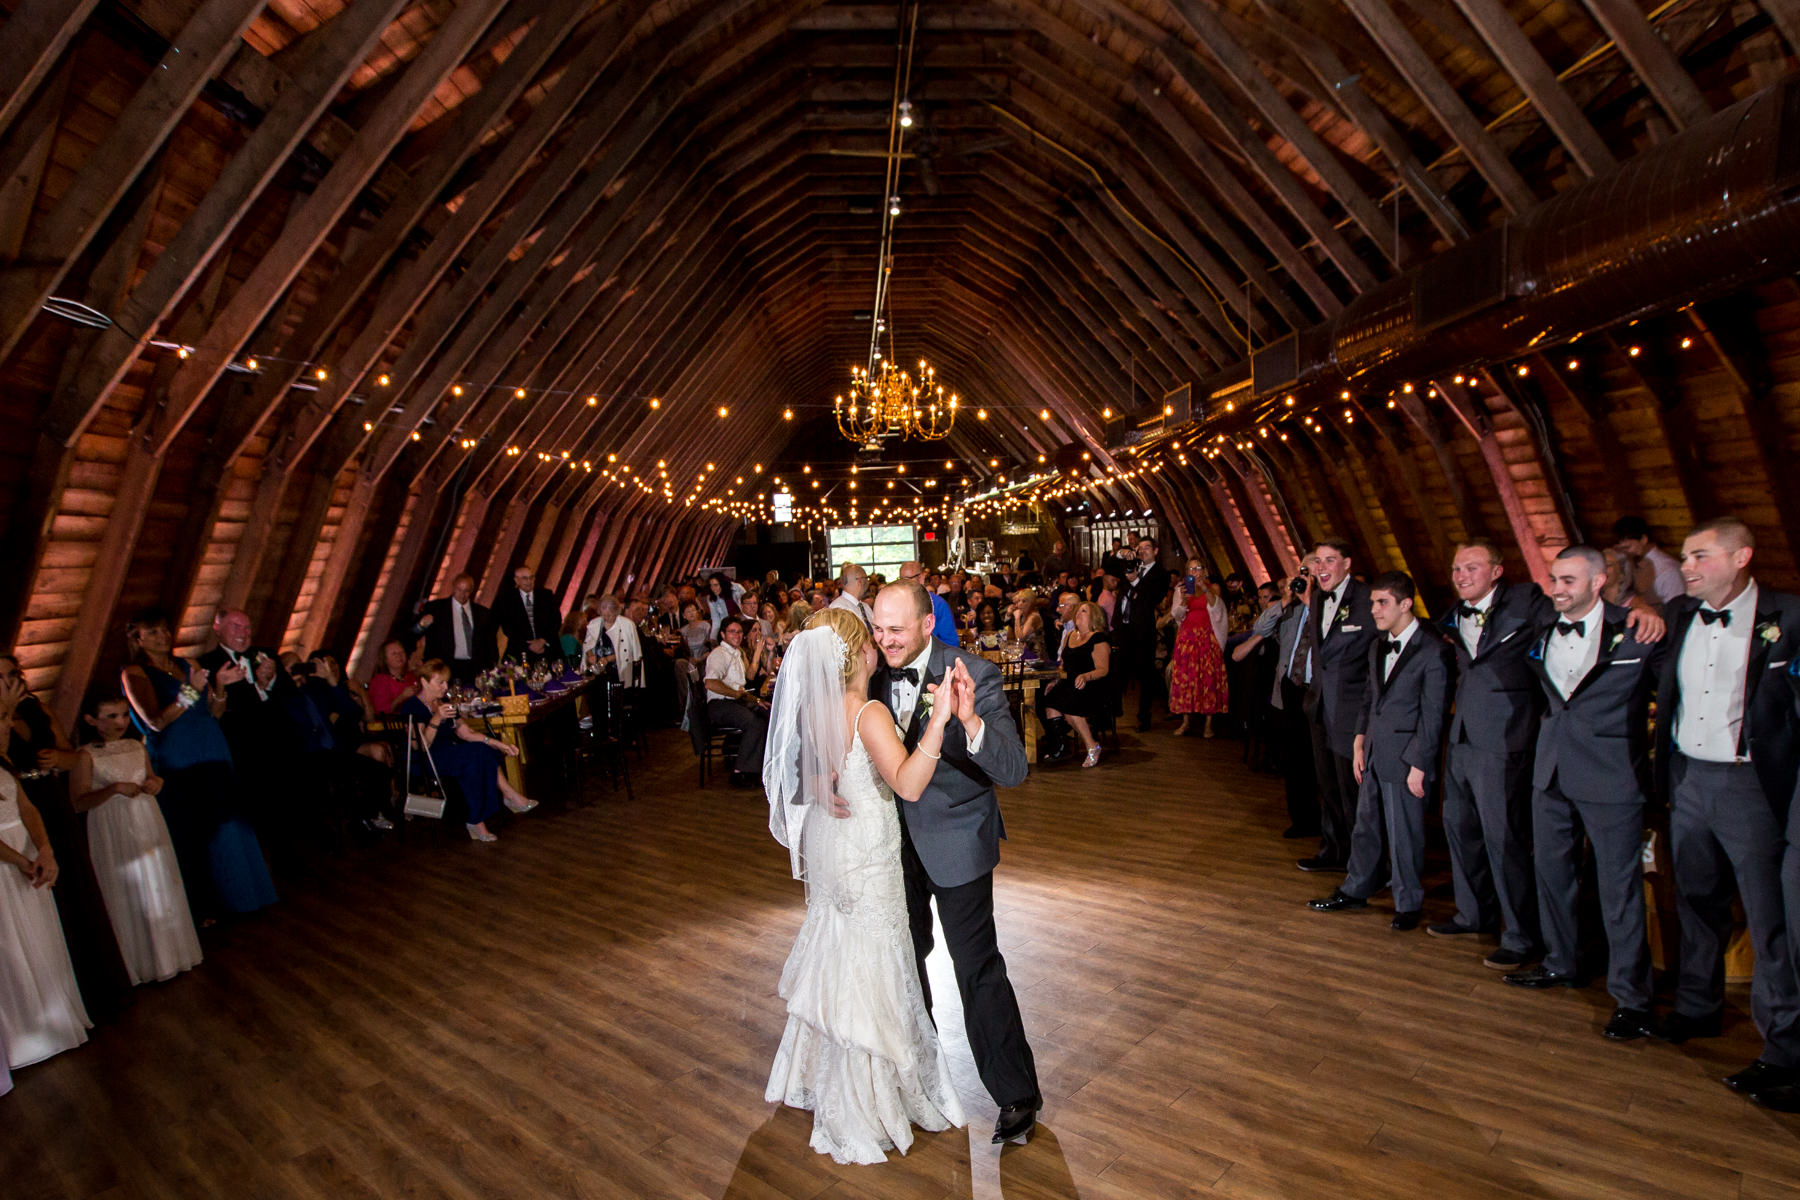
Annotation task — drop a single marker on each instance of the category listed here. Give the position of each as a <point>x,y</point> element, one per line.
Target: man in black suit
<point>528,616</point>
<point>459,631</point>
<point>1333,655</point>
<point>1487,769</point>
<point>252,675</point>
<point>1141,595</point>
<point>1394,756</point>
<point>1728,751</point>
<point>1590,775</point>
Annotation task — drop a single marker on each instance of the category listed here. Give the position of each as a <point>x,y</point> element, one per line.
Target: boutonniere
<point>1769,632</point>
<point>1616,639</point>
<point>1480,619</point>
<point>926,700</point>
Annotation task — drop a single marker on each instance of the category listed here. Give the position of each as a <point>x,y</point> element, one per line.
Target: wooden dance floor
<point>588,1009</point>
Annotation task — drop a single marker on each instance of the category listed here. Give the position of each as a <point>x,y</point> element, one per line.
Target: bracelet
<point>929,754</point>
<point>188,696</point>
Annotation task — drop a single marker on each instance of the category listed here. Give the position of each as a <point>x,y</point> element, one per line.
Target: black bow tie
<point>1467,612</point>
<point>1578,628</point>
<point>1391,646</point>
<point>910,674</point>
<point>1722,616</point>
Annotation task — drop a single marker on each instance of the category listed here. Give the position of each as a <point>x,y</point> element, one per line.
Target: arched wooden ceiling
<point>465,246</point>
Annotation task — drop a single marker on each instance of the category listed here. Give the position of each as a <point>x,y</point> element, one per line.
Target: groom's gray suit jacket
<point>955,825</point>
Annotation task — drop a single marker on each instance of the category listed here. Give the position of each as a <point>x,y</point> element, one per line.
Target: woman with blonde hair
<point>1197,682</point>
<point>860,1050</point>
<point>1086,661</point>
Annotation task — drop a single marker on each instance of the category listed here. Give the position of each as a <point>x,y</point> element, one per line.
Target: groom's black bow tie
<point>910,674</point>
<point>1722,616</point>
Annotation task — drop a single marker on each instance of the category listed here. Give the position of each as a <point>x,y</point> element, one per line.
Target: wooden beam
<point>209,38</point>
<point>1583,388</point>
<point>31,43</point>
<point>1540,84</point>
<point>1656,65</point>
<point>1474,419</point>
<point>1441,99</point>
<point>1653,369</point>
<point>1426,421</point>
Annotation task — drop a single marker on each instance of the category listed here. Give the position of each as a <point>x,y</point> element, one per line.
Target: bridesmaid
<point>133,857</point>
<point>177,708</point>
<point>41,1013</point>
<point>1197,682</point>
<point>41,754</point>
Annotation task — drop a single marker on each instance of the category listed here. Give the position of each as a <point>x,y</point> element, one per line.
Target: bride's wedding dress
<point>860,1050</point>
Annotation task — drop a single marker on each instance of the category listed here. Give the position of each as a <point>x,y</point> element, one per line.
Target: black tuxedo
<point>1487,767</point>
<point>254,722</point>
<point>440,638</point>
<point>544,621</point>
<point>1334,702</point>
<point>1589,777</point>
<point>1138,602</point>
<point>1402,727</point>
<point>952,834</point>
<point>1728,822</point>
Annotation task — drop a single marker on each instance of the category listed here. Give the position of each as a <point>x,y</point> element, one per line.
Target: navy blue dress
<point>473,766</point>
<point>221,861</point>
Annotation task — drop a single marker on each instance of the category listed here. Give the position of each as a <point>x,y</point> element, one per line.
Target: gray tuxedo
<point>1402,726</point>
<point>1487,767</point>
<point>1591,774</point>
<point>955,824</point>
<point>949,845</point>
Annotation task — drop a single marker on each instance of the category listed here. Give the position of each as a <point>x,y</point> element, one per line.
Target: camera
<point>1298,587</point>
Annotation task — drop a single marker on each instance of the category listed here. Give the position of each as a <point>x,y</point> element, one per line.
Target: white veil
<point>808,740</point>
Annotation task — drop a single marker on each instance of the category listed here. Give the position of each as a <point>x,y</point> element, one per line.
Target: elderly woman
<point>460,753</point>
<point>176,706</point>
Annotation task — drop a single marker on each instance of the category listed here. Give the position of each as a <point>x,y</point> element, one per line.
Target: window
<point>877,549</point>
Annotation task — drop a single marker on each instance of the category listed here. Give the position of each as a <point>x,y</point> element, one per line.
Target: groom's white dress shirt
<point>904,697</point>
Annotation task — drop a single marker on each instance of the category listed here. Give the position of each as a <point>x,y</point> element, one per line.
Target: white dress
<point>134,863</point>
<point>860,1051</point>
<point>41,1013</point>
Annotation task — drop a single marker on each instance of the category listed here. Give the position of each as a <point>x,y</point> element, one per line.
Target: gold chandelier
<point>889,402</point>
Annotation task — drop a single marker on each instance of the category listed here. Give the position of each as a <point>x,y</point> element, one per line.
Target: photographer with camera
<point>1288,732</point>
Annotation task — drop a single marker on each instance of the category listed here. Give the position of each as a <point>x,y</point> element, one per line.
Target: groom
<point>950,839</point>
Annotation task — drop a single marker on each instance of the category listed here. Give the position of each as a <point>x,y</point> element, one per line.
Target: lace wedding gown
<point>860,1051</point>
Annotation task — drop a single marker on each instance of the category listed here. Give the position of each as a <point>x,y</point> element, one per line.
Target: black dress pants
<point>1337,793</point>
<point>1293,749</point>
<point>990,1009</point>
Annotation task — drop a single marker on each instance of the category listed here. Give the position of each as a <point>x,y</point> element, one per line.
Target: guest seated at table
<point>394,682</point>
<point>731,705</point>
<point>1082,693</point>
<point>758,657</point>
<point>349,766</point>
<point>129,846</point>
<point>696,630</point>
<point>574,626</point>
<point>988,625</point>
<point>462,755</point>
<point>1025,622</point>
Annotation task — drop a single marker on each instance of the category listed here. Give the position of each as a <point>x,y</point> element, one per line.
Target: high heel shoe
<point>521,808</point>
<point>1093,757</point>
<point>478,834</point>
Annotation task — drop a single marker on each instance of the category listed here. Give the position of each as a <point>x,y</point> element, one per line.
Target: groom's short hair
<point>921,600</point>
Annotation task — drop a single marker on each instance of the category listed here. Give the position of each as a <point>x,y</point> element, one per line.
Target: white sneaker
<point>381,823</point>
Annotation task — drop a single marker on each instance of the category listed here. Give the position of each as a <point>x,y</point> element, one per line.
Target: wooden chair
<point>705,740</point>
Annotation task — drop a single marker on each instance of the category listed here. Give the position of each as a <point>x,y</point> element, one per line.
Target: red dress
<point>1197,684</point>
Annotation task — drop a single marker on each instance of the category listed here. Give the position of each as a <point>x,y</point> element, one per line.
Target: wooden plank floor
<point>587,1009</point>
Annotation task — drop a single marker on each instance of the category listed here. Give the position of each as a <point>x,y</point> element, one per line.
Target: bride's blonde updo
<point>850,630</point>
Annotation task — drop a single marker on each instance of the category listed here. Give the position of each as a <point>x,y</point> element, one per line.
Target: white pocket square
<point>1508,637</point>
<point>1624,662</point>
<point>1350,628</point>
<point>1775,665</point>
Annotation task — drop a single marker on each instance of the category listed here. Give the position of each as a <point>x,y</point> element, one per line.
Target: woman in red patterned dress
<point>1197,671</point>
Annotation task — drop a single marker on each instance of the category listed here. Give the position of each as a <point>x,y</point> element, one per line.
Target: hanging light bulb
<point>894,205</point>
<point>906,114</point>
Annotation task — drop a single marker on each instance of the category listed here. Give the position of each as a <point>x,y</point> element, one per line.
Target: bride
<point>860,1050</point>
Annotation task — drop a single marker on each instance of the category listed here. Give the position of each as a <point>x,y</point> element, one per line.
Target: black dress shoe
<point>1016,1122</point>
<point>1338,901</point>
<point>1319,863</point>
<point>1405,922</point>
<point>1679,1027</point>
<point>1538,977</point>
<point>1299,831</point>
<point>1454,929</point>
<point>1630,1024</point>
<point>743,779</point>
<point>1785,1098</point>
<point>1760,1076</point>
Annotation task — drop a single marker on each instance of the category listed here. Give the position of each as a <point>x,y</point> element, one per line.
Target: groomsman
<point>1727,733</point>
<point>1144,589</point>
<point>1395,754</point>
<point>1335,640</point>
<point>1590,774</point>
<point>1487,769</point>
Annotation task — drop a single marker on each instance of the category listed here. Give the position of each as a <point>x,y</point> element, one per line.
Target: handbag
<point>418,804</point>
